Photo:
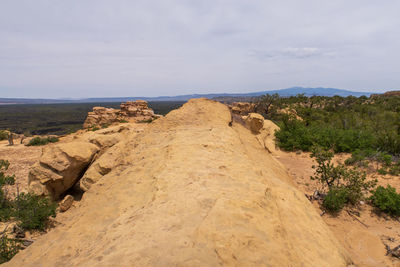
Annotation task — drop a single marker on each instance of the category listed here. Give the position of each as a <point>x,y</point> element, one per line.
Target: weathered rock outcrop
<point>254,122</point>
<point>60,166</point>
<point>190,190</point>
<point>90,155</point>
<point>242,108</point>
<point>267,136</point>
<point>132,111</point>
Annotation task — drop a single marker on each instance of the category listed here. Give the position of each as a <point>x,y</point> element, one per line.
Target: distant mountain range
<point>283,92</point>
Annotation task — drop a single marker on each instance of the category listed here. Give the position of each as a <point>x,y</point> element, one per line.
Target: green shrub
<point>94,128</point>
<point>123,121</point>
<point>146,121</point>
<point>335,200</point>
<point>3,135</point>
<point>345,185</point>
<point>395,169</point>
<point>105,125</point>
<point>360,157</point>
<point>385,159</point>
<point>8,248</point>
<point>5,205</point>
<point>386,199</point>
<point>33,211</point>
<point>41,141</point>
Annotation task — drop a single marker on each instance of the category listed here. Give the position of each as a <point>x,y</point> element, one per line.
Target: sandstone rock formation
<point>60,166</point>
<point>66,203</point>
<point>267,136</point>
<point>242,108</point>
<point>96,158</point>
<point>190,190</point>
<point>254,122</point>
<point>133,111</point>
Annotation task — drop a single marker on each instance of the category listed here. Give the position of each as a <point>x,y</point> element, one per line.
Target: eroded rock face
<point>190,190</point>
<point>102,166</point>
<point>242,108</point>
<point>254,122</point>
<point>133,111</point>
<point>60,166</point>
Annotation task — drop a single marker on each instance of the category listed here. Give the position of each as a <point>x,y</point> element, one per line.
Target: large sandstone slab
<point>190,191</point>
<point>60,167</point>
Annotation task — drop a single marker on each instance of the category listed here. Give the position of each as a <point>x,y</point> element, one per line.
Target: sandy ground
<point>21,157</point>
<point>364,236</point>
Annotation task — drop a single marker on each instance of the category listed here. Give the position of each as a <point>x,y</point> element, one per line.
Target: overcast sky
<point>103,48</point>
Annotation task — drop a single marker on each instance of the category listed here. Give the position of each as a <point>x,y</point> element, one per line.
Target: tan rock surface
<point>66,203</point>
<point>60,166</point>
<point>255,122</point>
<point>191,191</point>
<point>242,108</point>
<point>133,111</point>
<point>267,136</point>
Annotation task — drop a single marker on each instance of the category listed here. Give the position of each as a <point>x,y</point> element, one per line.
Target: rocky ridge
<point>193,188</point>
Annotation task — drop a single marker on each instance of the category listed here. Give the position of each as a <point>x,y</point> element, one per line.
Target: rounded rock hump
<point>192,189</point>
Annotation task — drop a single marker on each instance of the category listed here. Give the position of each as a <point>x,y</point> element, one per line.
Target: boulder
<point>66,203</point>
<point>242,108</point>
<point>254,122</point>
<point>267,136</point>
<point>60,167</point>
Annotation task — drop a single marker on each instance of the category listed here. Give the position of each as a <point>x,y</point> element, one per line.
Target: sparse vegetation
<point>369,128</point>
<point>94,128</point>
<point>41,141</point>
<point>335,199</point>
<point>30,211</point>
<point>386,199</point>
<point>345,185</point>
<point>33,211</point>
<point>5,204</point>
<point>9,247</point>
<point>3,135</point>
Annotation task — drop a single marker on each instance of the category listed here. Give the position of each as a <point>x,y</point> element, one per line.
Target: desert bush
<point>5,204</point>
<point>335,199</point>
<point>41,141</point>
<point>386,199</point>
<point>345,185</point>
<point>33,211</point>
<point>8,248</point>
<point>3,135</point>
<point>94,128</point>
<point>360,157</point>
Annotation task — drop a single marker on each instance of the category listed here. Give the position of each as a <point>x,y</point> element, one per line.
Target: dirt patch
<point>362,232</point>
<point>21,157</point>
